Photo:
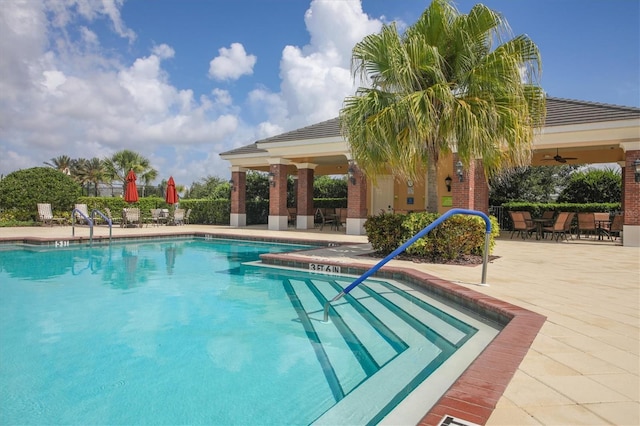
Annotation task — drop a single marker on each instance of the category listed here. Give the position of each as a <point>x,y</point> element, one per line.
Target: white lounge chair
<point>45,214</point>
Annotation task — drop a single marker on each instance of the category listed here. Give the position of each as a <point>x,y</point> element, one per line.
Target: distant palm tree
<point>64,163</point>
<point>117,167</point>
<point>91,172</point>
<point>439,87</point>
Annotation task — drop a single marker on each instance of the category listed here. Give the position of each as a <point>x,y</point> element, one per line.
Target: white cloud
<point>232,63</point>
<point>61,95</point>
<point>316,78</point>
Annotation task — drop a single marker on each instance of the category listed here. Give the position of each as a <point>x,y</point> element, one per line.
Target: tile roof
<point>560,112</point>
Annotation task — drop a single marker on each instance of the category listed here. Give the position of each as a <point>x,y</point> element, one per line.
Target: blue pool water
<point>190,332</point>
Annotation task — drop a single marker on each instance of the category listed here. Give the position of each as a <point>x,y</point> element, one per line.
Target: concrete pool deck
<point>583,368</point>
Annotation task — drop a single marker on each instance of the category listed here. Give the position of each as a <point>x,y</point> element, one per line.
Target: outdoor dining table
<point>539,221</point>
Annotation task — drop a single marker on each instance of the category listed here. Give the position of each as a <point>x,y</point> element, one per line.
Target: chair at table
<point>341,216</point>
<point>520,225</point>
<point>586,224</point>
<point>561,227</point>
<point>603,222</point>
<point>548,215</point>
<point>292,213</point>
<point>326,216</point>
<point>616,226</point>
<point>114,220</point>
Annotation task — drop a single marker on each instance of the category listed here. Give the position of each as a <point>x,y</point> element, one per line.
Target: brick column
<point>356,202</point>
<point>481,192</point>
<point>463,192</point>
<point>238,198</point>
<point>278,215</point>
<point>304,195</point>
<point>631,197</point>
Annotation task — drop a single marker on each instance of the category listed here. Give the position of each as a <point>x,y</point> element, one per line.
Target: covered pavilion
<point>575,132</point>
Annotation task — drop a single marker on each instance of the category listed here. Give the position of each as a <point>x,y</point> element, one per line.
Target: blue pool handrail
<point>403,247</point>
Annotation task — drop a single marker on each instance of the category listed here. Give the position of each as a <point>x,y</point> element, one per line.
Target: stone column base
<point>238,220</point>
<point>304,222</point>
<point>631,235</point>
<point>278,223</point>
<point>355,226</point>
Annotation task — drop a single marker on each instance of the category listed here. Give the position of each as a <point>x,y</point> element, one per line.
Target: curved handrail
<point>106,219</point>
<point>73,223</point>
<point>412,240</point>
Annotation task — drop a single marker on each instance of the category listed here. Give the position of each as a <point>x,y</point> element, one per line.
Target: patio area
<point>582,369</point>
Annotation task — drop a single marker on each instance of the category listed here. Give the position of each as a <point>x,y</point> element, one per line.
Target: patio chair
<point>79,218</point>
<point>178,216</point>
<point>45,215</point>
<point>603,222</point>
<point>520,225</point>
<point>292,213</point>
<point>586,224</point>
<point>341,215</point>
<point>131,217</point>
<point>326,216</point>
<point>548,215</point>
<point>157,217</point>
<point>561,227</point>
<point>616,226</point>
<point>114,220</point>
<point>187,215</point>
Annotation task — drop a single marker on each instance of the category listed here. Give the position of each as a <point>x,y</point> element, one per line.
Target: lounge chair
<point>523,227</point>
<point>131,217</point>
<point>114,221</point>
<point>178,216</point>
<point>45,214</point>
<point>326,216</point>
<point>79,218</point>
<point>158,217</point>
<point>561,227</point>
<point>187,215</point>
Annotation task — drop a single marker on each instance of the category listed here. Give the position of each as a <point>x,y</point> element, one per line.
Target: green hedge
<point>536,209</point>
<point>457,236</point>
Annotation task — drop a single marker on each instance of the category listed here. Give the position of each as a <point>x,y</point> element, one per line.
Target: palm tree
<point>121,162</point>
<point>441,87</point>
<point>64,163</point>
<point>91,172</point>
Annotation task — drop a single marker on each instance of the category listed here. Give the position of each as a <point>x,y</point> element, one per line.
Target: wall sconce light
<point>351,173</point>
<point>232,185</point>
<point>459,171</point>
<point>636,165</point>
<point>447,181</point>
<point>272,179</point>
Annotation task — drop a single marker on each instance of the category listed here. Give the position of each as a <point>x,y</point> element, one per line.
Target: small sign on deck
<point>319,267</point>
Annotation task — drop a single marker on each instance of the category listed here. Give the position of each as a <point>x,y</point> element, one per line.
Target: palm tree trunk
<point>432,187</point>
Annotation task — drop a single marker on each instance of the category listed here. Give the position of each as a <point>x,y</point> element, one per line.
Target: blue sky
<point>182,81</point>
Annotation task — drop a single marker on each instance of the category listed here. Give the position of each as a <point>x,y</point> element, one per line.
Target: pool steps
<point>367,356</point>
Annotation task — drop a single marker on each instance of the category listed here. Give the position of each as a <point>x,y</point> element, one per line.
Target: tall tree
<point>117,167</point>
<point>442,87</point>
<point>64,163</point>
<point>91,172</point>
<point>593,186</point>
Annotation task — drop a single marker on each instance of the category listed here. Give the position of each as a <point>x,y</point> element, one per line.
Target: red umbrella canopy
<point>172,196</point>
<point>131,191</point>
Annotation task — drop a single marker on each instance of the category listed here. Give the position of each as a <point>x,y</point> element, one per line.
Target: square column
<point>473,192</point>
<point>304,196</point>
<point>278,214</point>
<point>356,202</point>
<point>238,198</point>
<point>631,196</point>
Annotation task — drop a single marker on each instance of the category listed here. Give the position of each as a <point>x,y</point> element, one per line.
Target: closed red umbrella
<point>131,191</point>
<point>172,195</point>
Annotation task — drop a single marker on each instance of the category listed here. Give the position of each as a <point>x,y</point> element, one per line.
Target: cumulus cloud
<point>63,93</point>
<point>316,77</point>
<point>232,63</point>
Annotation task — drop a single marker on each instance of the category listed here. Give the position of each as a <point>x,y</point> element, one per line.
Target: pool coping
<point>474,395</point>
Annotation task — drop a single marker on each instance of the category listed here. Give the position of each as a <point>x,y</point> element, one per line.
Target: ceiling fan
<point>559,158</point>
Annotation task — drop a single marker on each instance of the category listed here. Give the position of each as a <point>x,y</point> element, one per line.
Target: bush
<point>454,238</point>
<point>22,190</point>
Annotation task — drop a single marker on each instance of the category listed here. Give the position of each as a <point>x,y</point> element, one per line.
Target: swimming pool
<point>192,331</point>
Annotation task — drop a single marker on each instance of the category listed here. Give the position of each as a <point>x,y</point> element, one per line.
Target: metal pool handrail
<point>403,247</point>
<point>73,223</point>
<point>106,219</point>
